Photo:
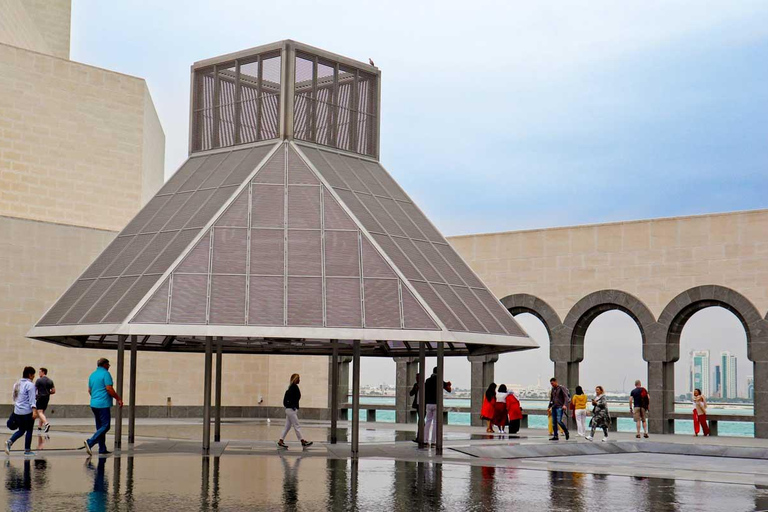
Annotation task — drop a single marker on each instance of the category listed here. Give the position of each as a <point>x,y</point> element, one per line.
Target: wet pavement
<point>247,472</point>
<point>298,483</point>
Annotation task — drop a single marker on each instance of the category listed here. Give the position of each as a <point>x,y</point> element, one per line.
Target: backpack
<point>644,398</point>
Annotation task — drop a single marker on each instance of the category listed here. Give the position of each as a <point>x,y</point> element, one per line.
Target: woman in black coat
<point>291,404</point>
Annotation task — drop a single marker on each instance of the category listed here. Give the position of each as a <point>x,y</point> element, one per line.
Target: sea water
<point>725,428</point>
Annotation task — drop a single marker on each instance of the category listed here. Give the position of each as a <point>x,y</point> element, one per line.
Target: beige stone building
<point>81,151</point>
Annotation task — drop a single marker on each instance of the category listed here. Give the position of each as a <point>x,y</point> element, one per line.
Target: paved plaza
<point>476,471</point>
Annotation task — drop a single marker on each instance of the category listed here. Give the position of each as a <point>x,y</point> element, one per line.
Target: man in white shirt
<point>24,411</point>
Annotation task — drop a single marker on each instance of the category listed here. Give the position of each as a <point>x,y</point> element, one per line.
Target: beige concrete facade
<point>654,260</point>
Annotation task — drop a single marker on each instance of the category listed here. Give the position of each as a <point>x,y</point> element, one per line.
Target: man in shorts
<point>639,400</point>
<point>45,389</point>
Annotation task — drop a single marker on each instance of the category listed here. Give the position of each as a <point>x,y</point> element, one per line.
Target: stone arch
<point>590,307</point>
<point>524,303</point>
<point>685,305</point>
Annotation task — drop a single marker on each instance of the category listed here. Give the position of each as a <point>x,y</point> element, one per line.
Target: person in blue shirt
<point>24,410</point>
<point>101,389</point>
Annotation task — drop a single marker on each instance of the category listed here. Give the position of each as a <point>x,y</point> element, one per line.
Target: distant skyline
<point>511,116</point>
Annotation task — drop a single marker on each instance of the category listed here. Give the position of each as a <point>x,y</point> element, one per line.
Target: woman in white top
<point>699,413</point>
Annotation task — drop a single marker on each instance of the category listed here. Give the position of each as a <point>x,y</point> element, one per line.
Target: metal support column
<point>439,387</point>
<point>422,393</point>
<point>217,410</point>
<point>120,375</point>
<point>334,391</point>
<point>207,394</point>
<point>355,397</point>
<point>132,385</point>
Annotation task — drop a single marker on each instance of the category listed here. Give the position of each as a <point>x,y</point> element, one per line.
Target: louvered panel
<point>335,216</point>
<point>421,264</point>
<point>386,181</point>
<point>459,266</point>
<point>150,209</point>
<point>304,207</point>
<point>229,250</point>
<point>186,213</point>
<point>437,261</point>
<point>373,264</point>
<point>360,212</point>
<point>107,257</point>
<point>175,182</point>
<point>196,262</point>
<point>155,311</point>
<point>233,163</point>
<point>298,172</point>
<point>236,214</point>
<point>380,214</point>
<point>211,207</point>
<point>212,164</point>
<point>267,251</point>
<point>342,304</point>
<point>131,298</point>
<point>499,312</point>
<point>169,209</point>
<point>488,321</point>
<point>227,299</point>
<point>148,255</point>
<point>88,299</point>
<point>66,301</point>
<point>396,255</point>
<point>394,210</point>
<point>342,257</point>
<point>173,251</point>
<point>267,206</point>
<point>364,175</point>
<point>305,301</point>
<point>441,310</point>
<point>382,303</point>
<point>421,222</point>
<point>414,315</point>
<point>273,171</point>
<point>326,171</point>
<point>188,299</point>
<point>110,298</point>
<point>265,305</point>
<point>344,172</point>
<point>458,308</point>
<point>304,253</point>
<point>132,250</point>
<point>250,162</point>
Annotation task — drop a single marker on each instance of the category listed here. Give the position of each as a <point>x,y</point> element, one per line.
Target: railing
<point>712,419</point>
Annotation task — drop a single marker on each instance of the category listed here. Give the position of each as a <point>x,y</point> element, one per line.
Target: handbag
<point>13,422</point>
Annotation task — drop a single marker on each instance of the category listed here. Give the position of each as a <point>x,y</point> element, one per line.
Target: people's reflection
<point>761,497</point>
<point>205,478</point>
<point>290,482</point>
<point>660,492</point>
<point>482,488</point>
<point>19,485</point>
<point>41,474</point>
<point>216,470</point>
<point>432,489</point>
<point>97,499</point>
<point>566,490</point>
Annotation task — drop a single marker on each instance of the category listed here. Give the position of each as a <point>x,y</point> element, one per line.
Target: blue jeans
<point>557,419</point>
<point>103,416</point>
<point>26,426</point>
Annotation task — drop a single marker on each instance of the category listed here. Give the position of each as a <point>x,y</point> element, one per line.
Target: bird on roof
<point>370,61</point>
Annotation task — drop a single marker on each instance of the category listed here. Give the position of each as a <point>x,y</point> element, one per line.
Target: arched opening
<point>713,358</point>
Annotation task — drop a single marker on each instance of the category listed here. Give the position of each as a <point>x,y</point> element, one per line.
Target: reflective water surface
<point>297,482</point>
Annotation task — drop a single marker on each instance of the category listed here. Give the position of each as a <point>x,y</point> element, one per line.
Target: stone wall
<point>73,146</point>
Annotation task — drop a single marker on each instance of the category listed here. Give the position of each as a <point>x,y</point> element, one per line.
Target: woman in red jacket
<point>489,406</point>
<point>514,412</point>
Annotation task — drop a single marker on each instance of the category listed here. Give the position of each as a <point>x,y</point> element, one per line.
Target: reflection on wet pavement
<point>295,482</point>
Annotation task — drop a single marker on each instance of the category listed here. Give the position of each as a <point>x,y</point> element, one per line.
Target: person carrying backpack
<point>639,400</point>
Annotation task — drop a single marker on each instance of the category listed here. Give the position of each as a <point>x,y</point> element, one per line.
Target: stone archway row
<point>660,338</point>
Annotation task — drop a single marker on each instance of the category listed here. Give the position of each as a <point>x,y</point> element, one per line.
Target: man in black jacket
<point>430,392</point>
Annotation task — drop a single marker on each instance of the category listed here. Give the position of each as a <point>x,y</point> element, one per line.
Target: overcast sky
<point>508,115</point>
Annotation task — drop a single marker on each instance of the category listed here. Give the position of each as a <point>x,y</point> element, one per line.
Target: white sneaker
<point>588,438</point>
<point>7,447</point>
<point>87,448</point>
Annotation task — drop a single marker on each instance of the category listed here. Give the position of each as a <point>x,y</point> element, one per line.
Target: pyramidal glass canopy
<point>282,232</point>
